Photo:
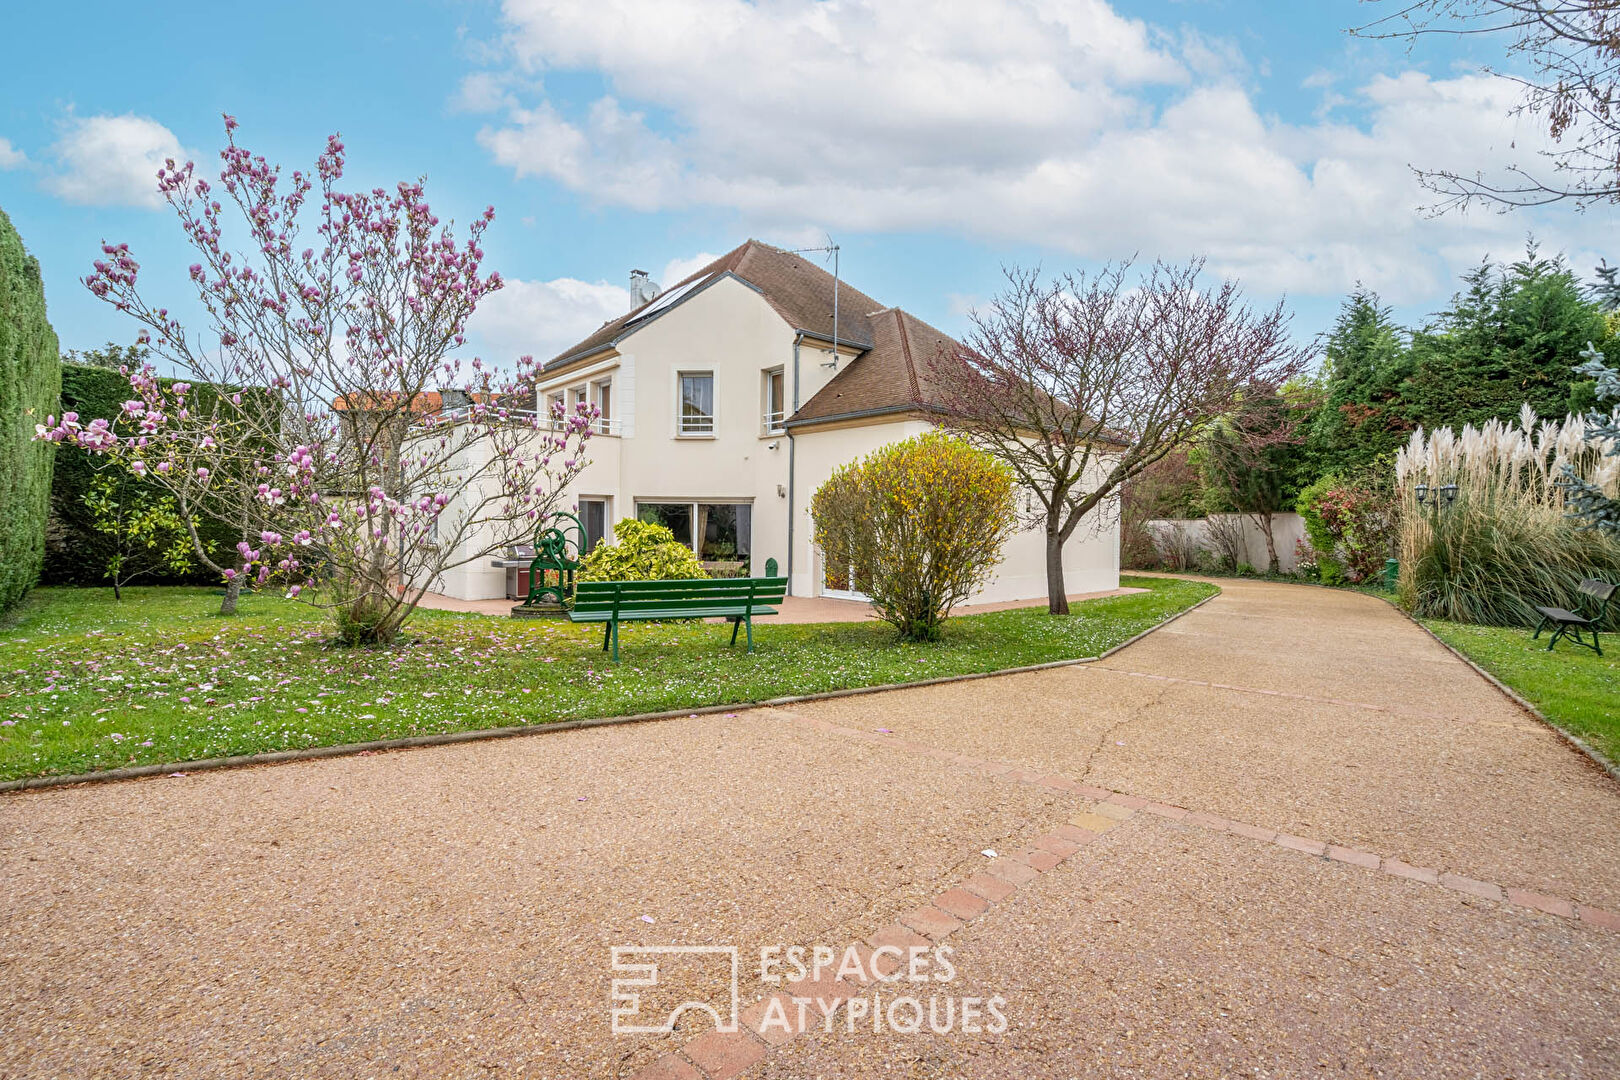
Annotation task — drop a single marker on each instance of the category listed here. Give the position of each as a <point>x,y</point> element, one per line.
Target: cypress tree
<point>1361,416</point>
<point>30,380</point>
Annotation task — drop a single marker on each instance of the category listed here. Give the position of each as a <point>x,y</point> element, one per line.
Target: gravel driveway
<point>1286,835</point>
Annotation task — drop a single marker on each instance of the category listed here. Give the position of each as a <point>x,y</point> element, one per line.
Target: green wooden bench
<point>1568,625</point>
<point>736,599</point>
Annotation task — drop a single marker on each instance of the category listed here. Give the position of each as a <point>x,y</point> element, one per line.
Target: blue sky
<point>934,144</point>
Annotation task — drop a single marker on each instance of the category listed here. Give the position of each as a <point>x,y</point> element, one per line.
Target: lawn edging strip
<point>276,757</point>
<point>1575,741</point>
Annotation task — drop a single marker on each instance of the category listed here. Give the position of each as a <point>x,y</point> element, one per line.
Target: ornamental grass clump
<point>918,526</point>
<point>1505,541</point>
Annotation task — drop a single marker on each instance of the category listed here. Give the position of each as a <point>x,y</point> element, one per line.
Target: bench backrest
<point>694,594</point>
<point>1600,591</point>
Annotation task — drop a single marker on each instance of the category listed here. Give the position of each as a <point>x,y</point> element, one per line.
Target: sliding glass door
<point>719,532</point>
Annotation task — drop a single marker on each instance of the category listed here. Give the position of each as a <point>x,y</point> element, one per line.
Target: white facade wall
<point>730,329</point>
<point>1090,558</point>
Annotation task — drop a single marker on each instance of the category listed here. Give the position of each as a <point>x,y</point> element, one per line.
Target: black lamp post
<point>1437,497</point>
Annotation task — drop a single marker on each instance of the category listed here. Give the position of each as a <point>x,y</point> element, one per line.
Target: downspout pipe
<point>792,446</point>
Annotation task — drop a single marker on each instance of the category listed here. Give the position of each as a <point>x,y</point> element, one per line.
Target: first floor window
<point>604,405</point>
<point>775,399</point>
<point>724,531</point>
<point>697,403</point>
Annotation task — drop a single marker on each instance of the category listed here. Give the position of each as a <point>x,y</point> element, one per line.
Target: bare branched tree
<point>1565,56</point>
<point>1080,382</point>
<point>1250,458</point>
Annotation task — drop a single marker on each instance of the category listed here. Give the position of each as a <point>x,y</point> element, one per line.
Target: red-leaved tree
<point>1082,381</point>
<point>318,408</point>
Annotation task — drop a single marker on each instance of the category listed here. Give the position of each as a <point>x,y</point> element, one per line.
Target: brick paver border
<point>1322,849</point>
<point>716,1055</point>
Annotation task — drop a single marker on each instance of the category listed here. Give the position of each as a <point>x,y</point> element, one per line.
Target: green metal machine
<point>559,551</point>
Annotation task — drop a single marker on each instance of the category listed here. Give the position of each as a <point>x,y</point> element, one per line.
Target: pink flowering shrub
<point>325,417</point>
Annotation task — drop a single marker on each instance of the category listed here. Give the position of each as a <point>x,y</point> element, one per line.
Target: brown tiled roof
<point>891,376</point>
<point>428,401</point>
<point>799,290</point>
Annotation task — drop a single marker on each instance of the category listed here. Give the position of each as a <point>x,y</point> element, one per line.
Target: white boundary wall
<point>1287,529</point>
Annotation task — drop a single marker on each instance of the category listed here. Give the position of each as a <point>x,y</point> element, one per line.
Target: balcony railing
<point>603,425</point>
<point>773,420</point>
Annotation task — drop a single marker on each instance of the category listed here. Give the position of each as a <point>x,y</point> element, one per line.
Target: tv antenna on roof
<point>829,249</point>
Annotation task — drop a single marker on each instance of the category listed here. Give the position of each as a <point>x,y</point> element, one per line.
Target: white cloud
<point>10,156</point>
<point>1053,122</point>
<point>677,269</point>
<point>541,318</point>
<point>113,160</point>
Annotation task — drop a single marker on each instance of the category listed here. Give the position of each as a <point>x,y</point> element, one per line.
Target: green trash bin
<point>1392,573</point>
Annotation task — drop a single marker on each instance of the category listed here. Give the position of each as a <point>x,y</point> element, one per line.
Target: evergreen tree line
<point>1513,334</point>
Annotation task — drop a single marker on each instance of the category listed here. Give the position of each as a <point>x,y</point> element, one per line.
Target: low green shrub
<point>919,525</point>
<point>641,551</point>
<point>1351,523</point>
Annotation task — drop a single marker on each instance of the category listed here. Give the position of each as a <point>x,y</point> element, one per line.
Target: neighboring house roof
<point>428,401</point>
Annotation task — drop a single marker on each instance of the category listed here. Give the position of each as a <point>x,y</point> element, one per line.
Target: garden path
<point>1286,834</point>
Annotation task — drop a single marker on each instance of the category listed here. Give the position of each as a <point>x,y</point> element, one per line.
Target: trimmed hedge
<point>29,383</point>
<point>75,553</point>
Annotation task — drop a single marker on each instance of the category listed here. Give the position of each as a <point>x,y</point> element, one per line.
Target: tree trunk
<point>233,589</point>
<point>1271,543</point>
<point>1057,596</point>
<point>118,593</point>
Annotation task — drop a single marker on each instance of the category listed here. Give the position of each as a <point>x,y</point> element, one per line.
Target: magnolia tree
<point>324,417</point>
<point>1082,382</point>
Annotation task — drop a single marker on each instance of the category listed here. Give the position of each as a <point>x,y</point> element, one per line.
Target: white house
<point>729,398</point>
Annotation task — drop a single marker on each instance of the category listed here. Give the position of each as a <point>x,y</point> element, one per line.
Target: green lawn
<point>1574,688</point>
<point>88,684</point>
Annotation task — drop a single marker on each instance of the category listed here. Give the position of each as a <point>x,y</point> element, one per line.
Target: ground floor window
<point>717,532</point>
<point>724,530</point>
<point>593,514</point>
<point>676,517</point>
<point>843,582</point>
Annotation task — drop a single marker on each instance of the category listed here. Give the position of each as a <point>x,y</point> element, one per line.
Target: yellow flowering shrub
<point>918,526</point>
